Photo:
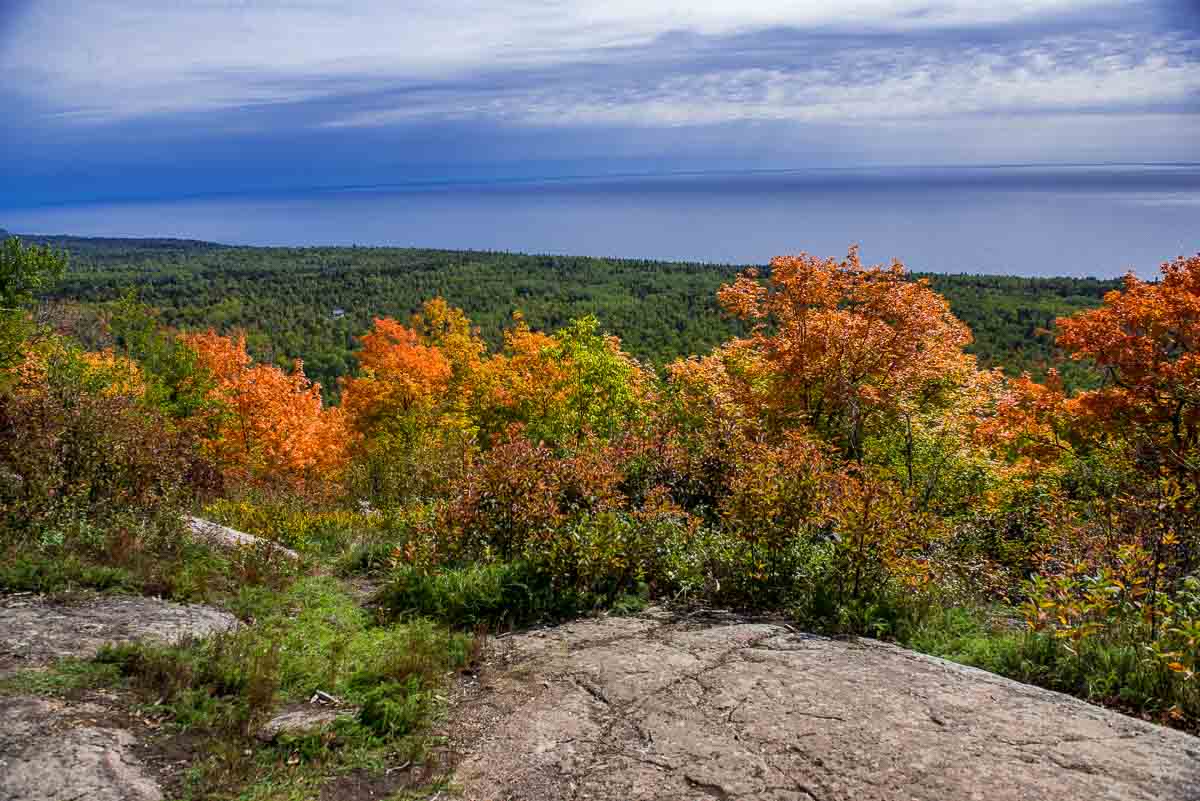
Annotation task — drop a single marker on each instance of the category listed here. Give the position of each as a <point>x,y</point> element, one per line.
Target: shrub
<point>497,595</point>
<point>522,493</point>
<point>396,709</point>
<point>94,479</point>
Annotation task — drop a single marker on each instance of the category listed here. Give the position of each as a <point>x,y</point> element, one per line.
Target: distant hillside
<point>312,302</point>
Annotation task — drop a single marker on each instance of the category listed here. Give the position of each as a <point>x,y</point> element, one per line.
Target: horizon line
<point>447,182</point>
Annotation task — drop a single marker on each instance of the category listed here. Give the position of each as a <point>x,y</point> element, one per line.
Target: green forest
<point>310,303</point>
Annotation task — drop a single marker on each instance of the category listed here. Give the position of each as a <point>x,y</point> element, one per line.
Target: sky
<point>149,99</point>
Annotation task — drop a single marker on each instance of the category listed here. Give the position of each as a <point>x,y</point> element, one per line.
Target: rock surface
<point>57,750</point>
<point>300,720</point>
<point>35,631</point>
<point>652,708</point>
<point>225,537</point>
<point>47,753</point>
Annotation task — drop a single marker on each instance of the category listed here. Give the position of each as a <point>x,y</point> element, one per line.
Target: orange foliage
<point>844,341</point>
<point>122,374</point>
<point>1147,340</point>
<point>726,388</point>
<point>779,493</point>
<point>880,536</point>
<point>275,424</point>
<point>520,384</point>
<point>399,374</point>
<point>1030,420</point>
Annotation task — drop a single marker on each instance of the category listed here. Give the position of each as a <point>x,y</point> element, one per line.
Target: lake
<point>1065,220</point>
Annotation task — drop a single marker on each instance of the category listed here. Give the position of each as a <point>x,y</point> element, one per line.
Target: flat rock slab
<point>49,752</point>
<point>649,708</point>
<point>35,631</point>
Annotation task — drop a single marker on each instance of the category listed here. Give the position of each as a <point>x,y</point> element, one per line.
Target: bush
<point>93,480</point>
<point>292,521</point>
<point>496,596</point>
<point>396,709</point>
<point>75,439</point>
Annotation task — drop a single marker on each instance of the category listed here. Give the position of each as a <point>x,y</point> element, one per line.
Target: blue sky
<point>164,98</point>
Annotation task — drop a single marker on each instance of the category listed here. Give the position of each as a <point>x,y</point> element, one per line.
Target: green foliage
<point>287,298</point>
<point>599,392</point>
<point>1115,670</point>
<point>499,595</point>
<point>51,572</point>
<point>313,636</point>
<point>26,272</point>
<point>176,382</point>
<point>60,678</point>
<point>1012,319</point>
<point>396,709</point>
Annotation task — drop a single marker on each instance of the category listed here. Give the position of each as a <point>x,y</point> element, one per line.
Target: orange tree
<point>400,377</point>
<point>1146,340</point>
<point>404,404</point>
<point>825,425</point>
<point>848,347</point>
<point>271,424</point>
<point>561,388</point>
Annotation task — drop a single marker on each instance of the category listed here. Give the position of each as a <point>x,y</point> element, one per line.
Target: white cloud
<point>859,86</point>
<point>94,60</point>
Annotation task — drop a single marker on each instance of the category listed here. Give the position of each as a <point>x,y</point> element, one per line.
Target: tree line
<point>311,303</point>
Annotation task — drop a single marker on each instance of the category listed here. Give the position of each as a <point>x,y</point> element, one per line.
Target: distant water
<point>1084,220</point>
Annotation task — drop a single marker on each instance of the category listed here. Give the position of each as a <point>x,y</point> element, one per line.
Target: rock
<point>225,537</point>
<point>35,631</point>
<point>45,758</point>
<point>653,708</point>
<point>300,720</point>
<point>53,750</point>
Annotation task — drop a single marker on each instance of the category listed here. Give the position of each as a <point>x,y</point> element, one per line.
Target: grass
<point>1114,669</point>
<point>44,574</point>
<point>183,570</point>
<point>311,637</point>
<point>494,596</point>
<point>60,678</point>
<point>367,559</point>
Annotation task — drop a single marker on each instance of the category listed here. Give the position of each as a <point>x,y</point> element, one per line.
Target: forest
<point>519,439</point>
<point>310,303</point>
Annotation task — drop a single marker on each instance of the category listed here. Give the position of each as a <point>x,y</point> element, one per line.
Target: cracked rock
<point>628,709</point>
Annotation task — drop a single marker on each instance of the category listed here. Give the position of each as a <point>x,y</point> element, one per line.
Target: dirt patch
<point>366,785</point>
<point>36,630</point>
<point>654,708</point>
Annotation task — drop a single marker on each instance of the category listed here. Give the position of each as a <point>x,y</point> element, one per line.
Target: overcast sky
<point>159,98</point>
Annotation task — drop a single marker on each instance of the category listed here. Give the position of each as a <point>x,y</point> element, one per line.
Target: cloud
<point>89,62</point>
<point>160,97</point>
<point>1054,75</point>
